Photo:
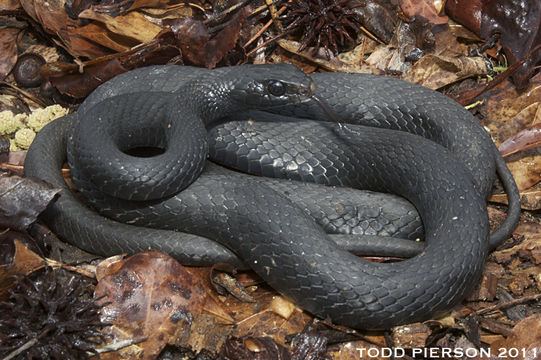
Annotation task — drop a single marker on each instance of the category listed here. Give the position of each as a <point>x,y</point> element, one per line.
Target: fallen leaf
<point>55,21</point>
<point>79,85</point>
<point>98,33</point>
<point>377,19</point>
<point>526,168</point>
<point>333,63</point>
<point>192,38</point>
<point>10,5</point>
<point>151,295</point>
<point>282,307</point>
<point>525,139</point>
<point>436,71</point>
<point>526,340</point>
<point>429,9</point>
<point>22,200</point>
<point>529,248</point>
<point>132,25</point>
<point>8,50</point>
<point>196,43</point>
<point>516,22</point>
<point>529,199</point>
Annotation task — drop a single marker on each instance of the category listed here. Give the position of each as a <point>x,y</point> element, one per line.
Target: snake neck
<point>211,97</point>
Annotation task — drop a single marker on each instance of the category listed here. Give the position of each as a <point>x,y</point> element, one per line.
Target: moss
<point>9,123</point>
<point>41,117</point>
<point>13,146</point>
<point>24,137</point>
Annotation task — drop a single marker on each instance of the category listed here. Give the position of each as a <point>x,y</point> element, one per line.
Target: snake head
<point>229,90</point>
<point>263,86</point>
<point>251,87</point>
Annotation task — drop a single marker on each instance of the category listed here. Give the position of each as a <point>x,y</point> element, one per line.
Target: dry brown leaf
<point>8,50</point>
<point>529,199</point>
<point>504,105</point>
<point>526,340</point>
<point>529,248</point>
<point>333,64</point>
<point>153,4</point>
<point>151,295</point>
<point>99,34</point>
<point>508,113</point>
<point>10,5</point>
<point>526,168</point>
<point>436,71</point>
<point>54,19</point>
<point>132,25</point>
<point>170,12</point>
<point>429,9</point>
<point>79,85</point>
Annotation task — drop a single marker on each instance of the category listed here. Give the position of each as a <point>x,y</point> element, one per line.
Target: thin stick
<point>24,347</point>
<point>507,304</point>
<point>264,28</point>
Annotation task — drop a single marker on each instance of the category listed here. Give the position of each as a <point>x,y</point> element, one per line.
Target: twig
<point>507,304</point>
<point>56,265</point>
<point>24,347</point>
<point>220,16</point>
<point>264,28</point>
<point>468,96</point>
<point>119,345</point>
<point>25,93</point>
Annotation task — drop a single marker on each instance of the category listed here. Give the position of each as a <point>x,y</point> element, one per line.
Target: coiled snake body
<point>156,106</point>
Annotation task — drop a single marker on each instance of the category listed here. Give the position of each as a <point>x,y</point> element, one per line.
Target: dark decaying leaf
<point>196,43</point>
<point>192,37</point>
<point>377,19</point>
<point>22,200</point>
<point>309,345</point>
<point>8,50</point>
<point>518,23</point>
<point>151,295</point>
<point>78,86</point>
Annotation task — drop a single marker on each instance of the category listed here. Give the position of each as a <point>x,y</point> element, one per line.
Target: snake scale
<point>446,173</point>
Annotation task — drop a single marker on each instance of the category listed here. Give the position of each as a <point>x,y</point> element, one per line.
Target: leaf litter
<point>99,41</point>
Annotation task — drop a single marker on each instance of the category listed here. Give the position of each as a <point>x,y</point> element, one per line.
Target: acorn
<point>27,70</point>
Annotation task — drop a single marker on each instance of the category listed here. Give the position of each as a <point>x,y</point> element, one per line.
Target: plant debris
<point>46,317</point>
<point>22,200</point>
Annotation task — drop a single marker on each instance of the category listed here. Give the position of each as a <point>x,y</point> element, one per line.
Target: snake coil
<point>265,229</point>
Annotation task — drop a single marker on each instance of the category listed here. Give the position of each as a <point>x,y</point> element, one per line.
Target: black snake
<point>271,234</point>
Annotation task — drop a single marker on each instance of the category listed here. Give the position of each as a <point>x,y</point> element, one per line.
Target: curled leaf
<point>526,139</point>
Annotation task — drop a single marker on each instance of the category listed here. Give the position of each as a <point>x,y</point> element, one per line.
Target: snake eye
<point>276,88</point>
